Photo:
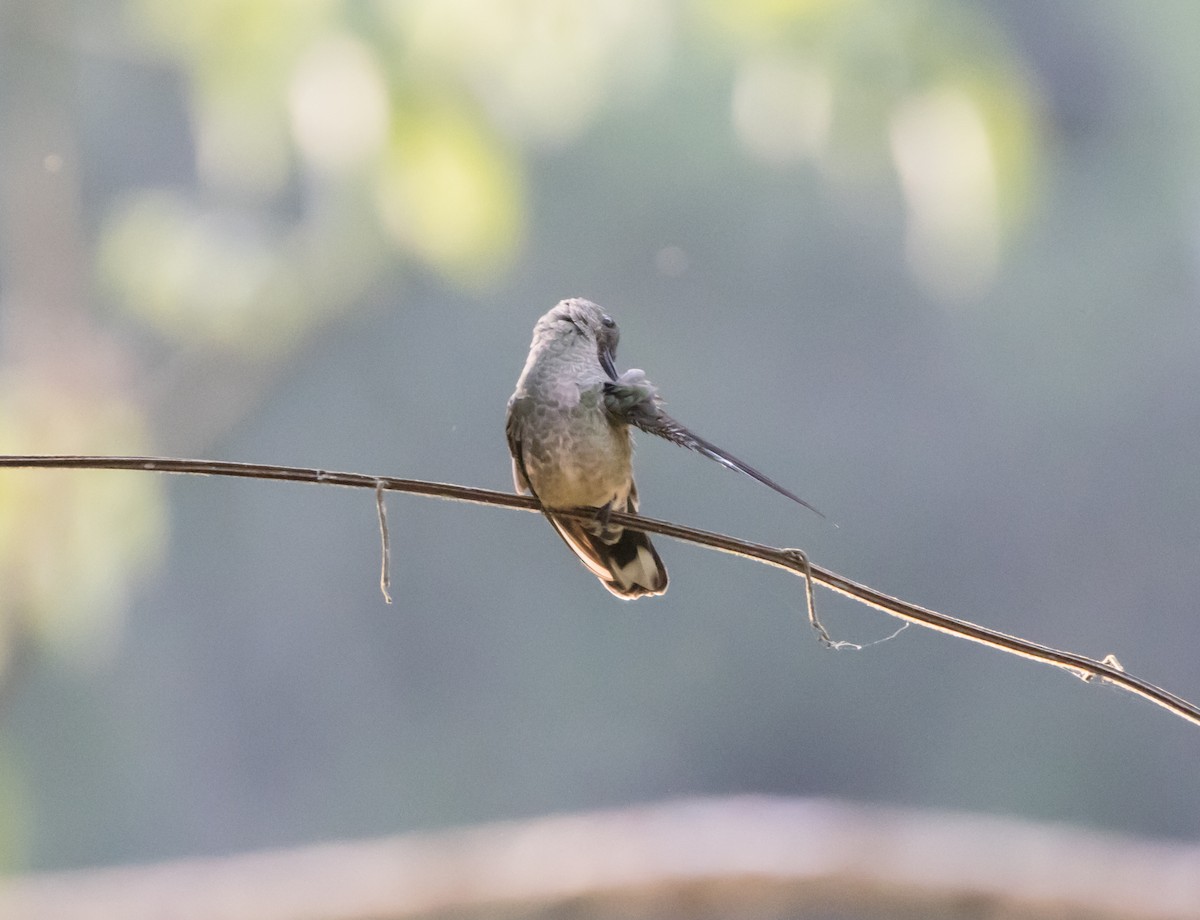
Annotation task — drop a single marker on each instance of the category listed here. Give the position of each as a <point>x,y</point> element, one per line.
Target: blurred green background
<point>933,265</point>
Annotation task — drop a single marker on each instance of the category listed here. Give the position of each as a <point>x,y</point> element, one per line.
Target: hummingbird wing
<point>634,400</point>
<point>512,430</point>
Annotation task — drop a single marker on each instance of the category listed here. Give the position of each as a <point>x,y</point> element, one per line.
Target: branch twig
<point>791,560</point>
<point>385,545</point>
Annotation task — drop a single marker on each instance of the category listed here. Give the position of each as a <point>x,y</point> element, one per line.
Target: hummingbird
<point>569,426</point>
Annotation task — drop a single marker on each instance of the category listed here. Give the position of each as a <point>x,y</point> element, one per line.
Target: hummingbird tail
<point>623,559</point>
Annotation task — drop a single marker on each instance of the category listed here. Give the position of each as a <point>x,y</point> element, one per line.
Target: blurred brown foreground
<point>747,857</point>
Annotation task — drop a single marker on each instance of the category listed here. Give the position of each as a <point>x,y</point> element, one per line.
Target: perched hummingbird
<point>568,429</point>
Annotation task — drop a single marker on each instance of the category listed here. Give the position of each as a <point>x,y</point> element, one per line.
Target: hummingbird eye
<point>607,320</point>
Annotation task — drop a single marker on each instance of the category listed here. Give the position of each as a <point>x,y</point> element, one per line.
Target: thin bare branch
<point>788,559</point>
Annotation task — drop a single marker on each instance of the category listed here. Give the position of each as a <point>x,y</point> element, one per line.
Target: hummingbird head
<point>578,317</point>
